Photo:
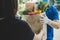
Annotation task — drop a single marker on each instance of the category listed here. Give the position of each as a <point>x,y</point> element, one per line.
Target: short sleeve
<point>55,13</point>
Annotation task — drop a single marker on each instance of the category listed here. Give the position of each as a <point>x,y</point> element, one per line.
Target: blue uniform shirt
<point>51,13</point>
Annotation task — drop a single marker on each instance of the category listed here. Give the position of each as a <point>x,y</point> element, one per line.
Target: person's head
<point>8,8</point>
<point>29,5</point>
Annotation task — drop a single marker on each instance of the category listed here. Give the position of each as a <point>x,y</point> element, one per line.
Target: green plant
<point>42,6</point>
<point>20,1</point>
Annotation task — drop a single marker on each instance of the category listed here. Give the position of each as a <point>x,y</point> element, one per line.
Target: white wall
<point>57,32</point>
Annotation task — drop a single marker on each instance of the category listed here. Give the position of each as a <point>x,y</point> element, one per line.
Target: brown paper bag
<point>34,22</point>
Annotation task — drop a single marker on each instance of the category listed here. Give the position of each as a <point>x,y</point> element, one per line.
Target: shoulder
<point>23,24</point>
<point>24,28</point>
<point>20,22</point>
<point>53,8</point>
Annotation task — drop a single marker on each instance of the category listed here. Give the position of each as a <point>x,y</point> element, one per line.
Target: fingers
<point>43,18</point>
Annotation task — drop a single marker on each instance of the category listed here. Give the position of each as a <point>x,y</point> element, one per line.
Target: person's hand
<point>44,18</point>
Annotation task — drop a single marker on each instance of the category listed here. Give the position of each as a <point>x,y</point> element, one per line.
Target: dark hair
<point>8,8</point>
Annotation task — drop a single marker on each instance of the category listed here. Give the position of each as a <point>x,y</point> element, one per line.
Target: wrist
<point>49,21</point>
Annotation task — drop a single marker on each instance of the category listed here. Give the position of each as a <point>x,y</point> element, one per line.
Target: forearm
<point>45,19</point>
<point>54,24</point>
